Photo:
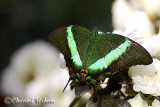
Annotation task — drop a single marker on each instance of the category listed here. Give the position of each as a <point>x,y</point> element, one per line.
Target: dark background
<point>23,21</point>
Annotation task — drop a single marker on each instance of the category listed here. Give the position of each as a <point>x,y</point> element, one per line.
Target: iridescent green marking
<point>73,48</point>
<point>109,58</point>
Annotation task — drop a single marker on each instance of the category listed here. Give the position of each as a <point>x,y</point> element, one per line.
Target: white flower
<point>141,22</point>
<point>127,16</point>
<point>37,71</point>
<point>152,7</point>
<point>155,103</point>
<point>130,33</point>
<point>104,84</point>
<point>146,78</point>
<point>121,10</point>
<point>123,89</point>
<point>153,46</point>
<point>137,101</point>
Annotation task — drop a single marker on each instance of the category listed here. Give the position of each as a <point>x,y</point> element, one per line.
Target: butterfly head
<point>80,76</point>
<point>83,76</point>
<point>84,72</point>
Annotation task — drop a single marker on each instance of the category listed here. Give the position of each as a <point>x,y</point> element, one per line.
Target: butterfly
<point>91,57</point>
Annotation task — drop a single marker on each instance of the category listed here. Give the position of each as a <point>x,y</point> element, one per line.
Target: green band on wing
<point>73,48</point>
<point>109,58</point>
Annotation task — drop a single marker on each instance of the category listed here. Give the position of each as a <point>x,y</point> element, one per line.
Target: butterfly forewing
<point>59,39</point>
<point>73,42</point>
<point>82,37</point>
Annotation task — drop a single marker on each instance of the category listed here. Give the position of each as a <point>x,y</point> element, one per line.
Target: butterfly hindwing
<point>118,52</point>
<point>135,55</point>
<point>106,49</point>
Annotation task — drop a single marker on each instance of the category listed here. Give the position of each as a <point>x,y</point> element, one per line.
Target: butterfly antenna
<point>66,85</point>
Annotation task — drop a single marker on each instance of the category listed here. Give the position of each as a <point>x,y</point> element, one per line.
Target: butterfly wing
<point>73,42</point>
<point>115,51</point>
<point>99,52</point>
<point>59,39</point>
<point>135,55</point>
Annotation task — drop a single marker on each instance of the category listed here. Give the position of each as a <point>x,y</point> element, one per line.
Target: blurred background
<point>26,21</point>
<point>23,21</point>
<point>28,62</point>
